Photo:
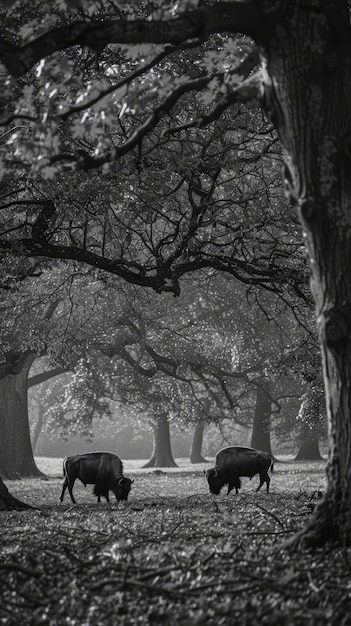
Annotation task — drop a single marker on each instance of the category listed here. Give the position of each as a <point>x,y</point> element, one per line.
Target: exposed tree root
<point>9,502</point>
<point>327,526</point>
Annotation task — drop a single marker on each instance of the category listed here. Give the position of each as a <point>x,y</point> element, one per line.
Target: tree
<point>196,444</point>
<point>16,457</point>
<point>23,328</point>
<point>162,455</point>
<point>305,91</point>
<point>311,415</point>
<point>261,432</point>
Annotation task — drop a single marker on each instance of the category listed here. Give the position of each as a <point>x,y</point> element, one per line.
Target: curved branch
<point>249,92</point>
<point>169,50</point>
<point>87,162</point>
<point>223,17</point>
<point>44,376</point>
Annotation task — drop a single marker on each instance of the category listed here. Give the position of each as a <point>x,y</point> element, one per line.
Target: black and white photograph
<point>175,327</point>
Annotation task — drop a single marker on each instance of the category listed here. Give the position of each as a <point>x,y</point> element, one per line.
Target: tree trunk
<point>16,455</point>
<point>311,421</point>
<point>8,502</point>
<point>307,70</point>
<point>162,455</point>
<point>261,430</point>
<point>309,449</point>
<point>196,446</point>
<point>37,427</point>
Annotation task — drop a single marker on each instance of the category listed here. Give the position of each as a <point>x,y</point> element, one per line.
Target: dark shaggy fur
<point>236,461</point>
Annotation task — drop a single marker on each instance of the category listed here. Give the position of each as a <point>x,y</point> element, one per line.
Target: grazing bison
<point>236,461</point>
<point>102,469</point>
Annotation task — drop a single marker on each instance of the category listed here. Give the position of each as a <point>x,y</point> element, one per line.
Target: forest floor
<point>172,555</point>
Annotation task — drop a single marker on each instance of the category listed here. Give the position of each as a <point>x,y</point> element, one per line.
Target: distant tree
<point>196,444</point>
<point>313,424</point>
<point>261,429</point>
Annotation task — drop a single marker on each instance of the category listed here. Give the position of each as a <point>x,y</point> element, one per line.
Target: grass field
<point>172,555</point>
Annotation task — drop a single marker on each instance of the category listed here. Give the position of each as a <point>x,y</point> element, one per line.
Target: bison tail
<point>272,465</point>
<point>64,469</point>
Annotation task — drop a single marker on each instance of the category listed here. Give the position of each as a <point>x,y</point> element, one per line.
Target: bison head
<point>122,488</point>
<point>215,482</point>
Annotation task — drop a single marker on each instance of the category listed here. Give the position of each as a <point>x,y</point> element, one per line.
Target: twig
<point>275,517</point>
<point>225,583</point>
<point>132,582</point>
<point>311,583</point>
<point>272,532</point>
<point>20,568</point>
<point>162,571</point>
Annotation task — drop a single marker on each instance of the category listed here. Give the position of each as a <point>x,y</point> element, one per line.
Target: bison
<point>236,461</point>
<point>102,469</point>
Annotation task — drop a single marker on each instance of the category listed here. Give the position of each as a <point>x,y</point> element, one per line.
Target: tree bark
<point>37,427</point>
<point>309,449</point>
<point>261,430</point>
<point>9,502</point>
<point>311,422</point>
<point>162,455</point>
<point>307,68</point>
<point>16,455</point>
<point>196,446</point>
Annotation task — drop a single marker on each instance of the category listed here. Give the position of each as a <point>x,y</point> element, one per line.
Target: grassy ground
<point>171,555</point>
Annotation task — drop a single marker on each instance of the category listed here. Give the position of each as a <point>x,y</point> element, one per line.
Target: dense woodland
<point>174,226</point>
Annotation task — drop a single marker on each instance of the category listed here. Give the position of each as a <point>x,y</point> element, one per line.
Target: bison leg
<point>67,484</point>
<point>64,487</point>
<point>264,478</point>
<point>230,488</point>
<point>234,482</point>
<point>70,484</point>
<point>99,497</point>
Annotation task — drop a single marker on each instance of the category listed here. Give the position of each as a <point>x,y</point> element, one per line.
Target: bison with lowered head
<point>236,461</point>
<point>102,469</point>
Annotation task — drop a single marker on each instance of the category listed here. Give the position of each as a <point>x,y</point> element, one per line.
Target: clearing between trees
<point>172,555</point>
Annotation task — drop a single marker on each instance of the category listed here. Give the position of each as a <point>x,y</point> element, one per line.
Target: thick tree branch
<point>165,275</point>
<point>44,376</point>
<point>223,17</point>
<point>168,51</point>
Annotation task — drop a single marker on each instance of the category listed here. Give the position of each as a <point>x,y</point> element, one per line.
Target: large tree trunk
<point>16,455</point>
<point>261,430</point>
<point>307,90</point>
<point>196,445</point>
<point>38,425</point>
<point>162,455</point>
<point>309,449</point>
